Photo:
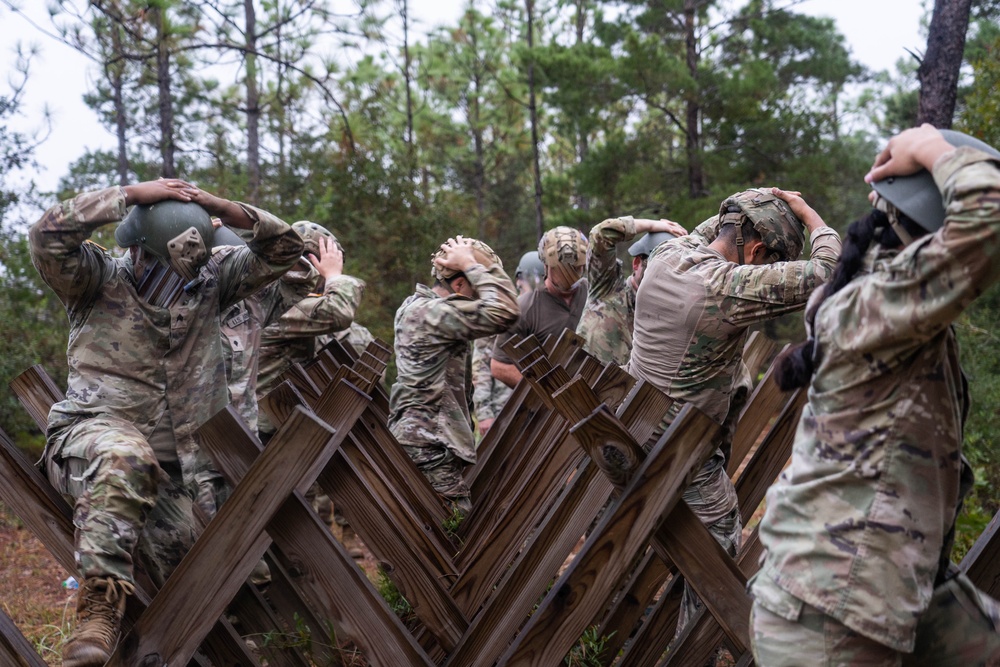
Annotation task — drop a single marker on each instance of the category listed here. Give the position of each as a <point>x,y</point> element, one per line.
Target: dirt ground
<point>31,591</point>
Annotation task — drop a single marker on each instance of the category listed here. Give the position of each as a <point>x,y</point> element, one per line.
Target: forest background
<point>521,116</point>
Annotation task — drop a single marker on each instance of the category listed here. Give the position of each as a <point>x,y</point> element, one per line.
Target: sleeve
<point>482,379</point>
<point>274,248</point>
<point>707,231</point>
<point>326,313</point>
<point>752,293</point>
<point>604,269</point>
<point>933,280</point>
<point>74,269</point>
<point>494,309</point>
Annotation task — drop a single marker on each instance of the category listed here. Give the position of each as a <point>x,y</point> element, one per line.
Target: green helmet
<point>780,230</point>
<point>645,245</point>
<point>311,234</point>
<point>917,196</point>
<point>179,234</point>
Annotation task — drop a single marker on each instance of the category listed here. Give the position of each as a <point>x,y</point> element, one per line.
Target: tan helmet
<point>482,252</point>
<point>780,230</point>
<point>563,250</point>
<point>311,234</point>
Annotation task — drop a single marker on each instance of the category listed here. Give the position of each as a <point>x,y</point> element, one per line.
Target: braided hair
<point>796,365</point>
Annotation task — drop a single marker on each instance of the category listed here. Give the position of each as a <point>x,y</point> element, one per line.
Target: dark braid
<point>795,366</point>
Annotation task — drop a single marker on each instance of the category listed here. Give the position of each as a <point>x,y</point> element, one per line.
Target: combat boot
<point>99,609</point>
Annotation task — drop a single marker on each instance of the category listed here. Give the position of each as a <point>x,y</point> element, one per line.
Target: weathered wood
<point>656,632</point>
<point>280,402</point>
<point>981,564</point>
<point>37,392</point>
<point>626,527</point>
<point>632,601</point>
<point>764,403</point>
<point>15,649</point>
<point>211,573</point>
<point>769,459</point>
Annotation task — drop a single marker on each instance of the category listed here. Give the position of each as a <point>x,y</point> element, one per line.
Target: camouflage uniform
<point>860,526</point>
<point>606,323</point>
<point>489,395</point>
<point>693,310</point>
<point>428,409</point>
<point>292,338</point>
<point>142,379</point>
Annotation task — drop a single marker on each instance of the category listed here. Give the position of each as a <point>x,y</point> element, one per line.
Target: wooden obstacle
<point>573,526</point>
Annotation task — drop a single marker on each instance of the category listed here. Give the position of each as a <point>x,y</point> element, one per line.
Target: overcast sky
<point>878,33</point>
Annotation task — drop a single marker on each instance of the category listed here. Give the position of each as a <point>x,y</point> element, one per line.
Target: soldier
<point>428,408</point>
<point>858,530</point>
<point>489,395</point>
<point>145,371</point>
<point>606,323</point>
<point>557,305</point>
<point>324,301</point>
<point>713,292</point>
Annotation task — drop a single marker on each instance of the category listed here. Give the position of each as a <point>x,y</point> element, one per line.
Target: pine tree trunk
<point>938,72</point>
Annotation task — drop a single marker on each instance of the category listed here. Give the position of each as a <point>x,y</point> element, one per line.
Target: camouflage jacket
<point>606,323</point>
<point>489,394</point>
<point>292,337</point>
<point>160,368</point>
<point>857,524</point>
<point>694,307</point>
<point>427,404</point>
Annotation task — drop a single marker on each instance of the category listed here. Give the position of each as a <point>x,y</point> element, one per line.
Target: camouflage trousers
<point>960,628</point>
<point>123,500</point>
<point>444,471</point>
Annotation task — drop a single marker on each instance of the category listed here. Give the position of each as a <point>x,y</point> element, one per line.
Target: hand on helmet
<point>150,192</point>
<point>908,152</point>
<point>457,254</point>
<point>330,262</point>
<point>803,211</point>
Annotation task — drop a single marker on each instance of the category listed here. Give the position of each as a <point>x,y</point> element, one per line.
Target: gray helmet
<point>645,245</point>
<point>311,234</point>
<point>530,265</point>
<point>179,234</point>
<point>917,196</point>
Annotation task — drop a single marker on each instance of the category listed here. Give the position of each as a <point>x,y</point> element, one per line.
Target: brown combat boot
<point>99,608</point>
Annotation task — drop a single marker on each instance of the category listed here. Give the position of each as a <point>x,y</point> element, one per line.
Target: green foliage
<point>589,650</point>
<point>397,603</point>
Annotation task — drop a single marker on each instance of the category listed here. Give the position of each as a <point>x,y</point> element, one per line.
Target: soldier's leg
<point>123,500</point>
<point>109,473</point>
<point>813,639</point>
<point>960,627</point>
<point>444,471</point>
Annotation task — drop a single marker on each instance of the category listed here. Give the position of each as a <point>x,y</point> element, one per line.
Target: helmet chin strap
<point>740,242</point>
<point>892,213</point>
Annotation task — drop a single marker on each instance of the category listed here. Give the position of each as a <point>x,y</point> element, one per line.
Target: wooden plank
<point>392,537</point>
<point>15,650</point>
<point>698,643</point>
<point>982,563</point>
<point>765,402</point>
<point>37,392</point>
<point>625,528</point>
<point>280,402</point>
<point>657,631</point>
<point>211,573</point>
<point>324,575</point>
<point>769,459</point>
<point>631,603</point>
